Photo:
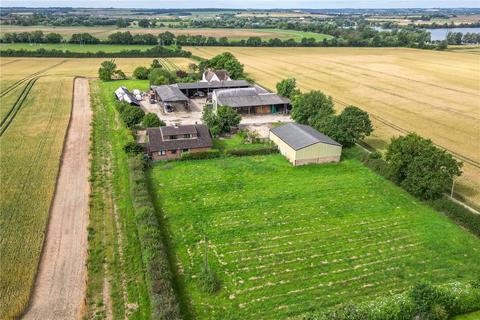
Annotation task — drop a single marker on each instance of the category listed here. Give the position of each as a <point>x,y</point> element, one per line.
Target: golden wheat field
<point>35,103</point>
<point>436,94</point>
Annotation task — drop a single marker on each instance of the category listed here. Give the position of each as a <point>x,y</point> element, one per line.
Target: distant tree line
<point>460,38</point>
<point>366,37</point>
<point>157,51</point>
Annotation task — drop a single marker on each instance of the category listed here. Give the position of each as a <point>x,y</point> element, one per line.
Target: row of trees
<point>413,162</point>
<point>317,110</point>
<point>460,38</point>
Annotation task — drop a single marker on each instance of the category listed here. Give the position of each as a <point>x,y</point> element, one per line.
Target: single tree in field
<point>107,70</point>
<point>288,88</point>
<point>141,73</point>
<point>151,120</point>
<point>352,125</point>
<point>193,67</point>
<point>311,107</point>
<point>420,167</point>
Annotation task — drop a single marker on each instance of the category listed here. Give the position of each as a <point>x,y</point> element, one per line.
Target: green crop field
<point>285,240</point>
<point>236,34</point>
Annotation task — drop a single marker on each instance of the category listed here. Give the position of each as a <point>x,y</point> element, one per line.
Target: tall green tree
<point>144,23</point>
<point>225,61</point>
<point>420,167</point>
<point>151,120</point>
<point>141,73</point>
<point>352,125</point>
<point>166,38</point>
<point>107,70</point>
<point>222,121</point>
<point>161,76</point>
<point>288,88</point>
<point>312,107</point>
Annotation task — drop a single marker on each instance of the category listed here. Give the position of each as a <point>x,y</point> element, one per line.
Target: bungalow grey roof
<point>248,97</point>
<point>177,130</point>
<point>156,141</point>
<point>299,136</point>
<point>213,85</point>
<point>169,93</point>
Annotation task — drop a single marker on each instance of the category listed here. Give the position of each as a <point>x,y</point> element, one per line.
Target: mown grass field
<point>285,240</point>
<point>237,34</point>
<point>433,93</point>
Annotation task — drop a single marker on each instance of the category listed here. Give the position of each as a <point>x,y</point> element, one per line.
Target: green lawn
<point>285,240</point>
<point>73,47</point>
<point>235,142</point>
<point>470,316</point>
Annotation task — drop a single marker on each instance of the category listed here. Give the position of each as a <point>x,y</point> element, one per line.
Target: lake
<point>441,34</point>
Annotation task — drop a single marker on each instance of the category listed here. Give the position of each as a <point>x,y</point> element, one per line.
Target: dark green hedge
<point>154,253</point>
<point>458,213</point>
<point>155,52</point>
<point>210,154</point>
<point>251,152</point>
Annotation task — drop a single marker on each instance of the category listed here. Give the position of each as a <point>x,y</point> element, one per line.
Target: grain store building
<point>170,142</point>
<point>253,100</point>
<point>302,144</point>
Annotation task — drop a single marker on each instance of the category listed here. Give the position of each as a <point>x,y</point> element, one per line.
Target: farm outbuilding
<point>122,94</point>
<point>253,100</point>
<point>170,94</point>
<point>302,144</point>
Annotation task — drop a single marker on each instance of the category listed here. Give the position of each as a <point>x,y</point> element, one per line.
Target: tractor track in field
<point>29,77</point>
<point>17,105</point>
<point>405,131</point>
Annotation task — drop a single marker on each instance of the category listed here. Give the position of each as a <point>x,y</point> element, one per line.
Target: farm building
<point>190,89</point>
<point>302,144</point>
<point>253,100</point>
<point>215,75</point>
<point>170,94</point>
<point>122,94</point>
<point>170,142</point>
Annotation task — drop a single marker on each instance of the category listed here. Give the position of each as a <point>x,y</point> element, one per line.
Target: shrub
<point>141,73</point>
<point>131,115</point>
<point>209,281</point>
<point>252,152</point>
<point>151,120</point>
<point>133,148</point>
<point>210,154</point>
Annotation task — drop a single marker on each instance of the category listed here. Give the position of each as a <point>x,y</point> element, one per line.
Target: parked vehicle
<point>168,108</point>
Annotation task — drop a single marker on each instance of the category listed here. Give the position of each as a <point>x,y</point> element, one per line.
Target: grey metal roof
<point>156,143</point>
<point>248,97</point>
<point>214,85</point>
<point>299,136</point>
<point>122,93</point>
<point>169,93</point>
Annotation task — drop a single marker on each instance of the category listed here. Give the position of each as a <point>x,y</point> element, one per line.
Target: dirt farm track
<point>60,285</point>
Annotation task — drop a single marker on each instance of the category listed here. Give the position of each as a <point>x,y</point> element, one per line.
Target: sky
<point>254,4</point>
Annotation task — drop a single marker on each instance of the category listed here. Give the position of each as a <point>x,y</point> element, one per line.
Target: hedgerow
<point>155,52</point>
<point>210,154</point>
<point>251,152</point>
<point>422,301</point>
<point>154,254</point>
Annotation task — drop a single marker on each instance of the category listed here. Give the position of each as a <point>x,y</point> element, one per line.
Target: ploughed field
<point>35,103</point>
<point>285,240</point>
<point>435,94</point>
